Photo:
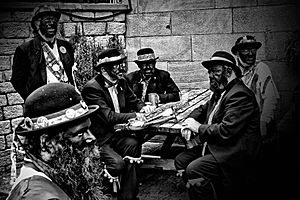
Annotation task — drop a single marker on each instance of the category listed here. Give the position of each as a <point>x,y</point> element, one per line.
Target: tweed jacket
<point>95,93</point>
<point>29,66</point>
<point>161,83</point>
<point>233,137</point>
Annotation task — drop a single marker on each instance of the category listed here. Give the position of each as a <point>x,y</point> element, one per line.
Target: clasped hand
<point>147,109</point>
<point>190,125</point>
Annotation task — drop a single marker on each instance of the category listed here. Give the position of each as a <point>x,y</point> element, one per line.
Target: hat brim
<point>146,60</point>
<point>254,45</point>
<point>20,131</point>
<point>97,68</point>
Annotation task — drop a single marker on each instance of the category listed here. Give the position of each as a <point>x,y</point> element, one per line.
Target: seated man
<point>228,125</point>
<point>117,104</point>
<point>57,144</point>
<point>152,80</point>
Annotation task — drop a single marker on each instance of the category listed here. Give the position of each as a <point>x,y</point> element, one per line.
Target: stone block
<point>275,2</point>
<point>132,67</point>
<point>102,40</point>
<point>13,111</point>
<point>3,100</point>
<point>9,140</point>
<point>169,48</point>
<point>188,74</point>
<point>14,98</point>
<point>6,87</point>
<point>205,45</point>
<point>148,24</point>
<point>202,21</point>
<point>8,46</point>
<point>92,28</point>
<point>116,28</point>
<point>235,3</point>
<point>5,16</point>
<point>70,28</point>
<point>15,122</point>
<point>15,30</point>
<point>132,46</point>
<point>64,18</point>
<point>105,16</point>
<point>81,15</point>
<point>2,142</point>
<point>267,18</point>
<point>5,63</point>
<point>120,18</point>
<point>5,158</point>
<point>171,5</point>
<point>1,115</point>
<point>5,127</point>
<point>21,16</point>
<point>6,76</point>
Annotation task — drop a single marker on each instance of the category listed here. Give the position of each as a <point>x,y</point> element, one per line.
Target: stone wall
<point>96,21</point>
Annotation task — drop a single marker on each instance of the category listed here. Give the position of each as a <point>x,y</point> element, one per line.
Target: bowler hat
<point>109,57</point>
<point>223,58</point>
<point>52,107</point>
<point>145,55</point>
<point>247,41</point>
<point>43,10</point>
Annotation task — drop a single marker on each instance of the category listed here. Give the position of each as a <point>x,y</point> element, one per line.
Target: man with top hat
<point>60,152</point>
<point>228,127</point>
<point>121,150</point>
<point>149,79</point>
<point>45,58</point>
<point>258,77</point>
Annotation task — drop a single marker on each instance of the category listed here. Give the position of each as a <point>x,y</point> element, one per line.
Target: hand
<point>140,117</point>
<point>186,133</point>
<point>147,109</point>
<point>191,124</point>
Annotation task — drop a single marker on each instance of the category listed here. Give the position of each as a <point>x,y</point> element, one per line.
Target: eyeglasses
<point>119,66</point>
<point>248,51</point>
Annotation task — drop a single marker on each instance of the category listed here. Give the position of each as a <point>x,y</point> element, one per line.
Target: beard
<point>78,172</point>
<point>218,85</point>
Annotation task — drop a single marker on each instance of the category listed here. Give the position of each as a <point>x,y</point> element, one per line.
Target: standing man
<point>57,144</point>
<point>258,77</point>
<point>45,58</point>
<point>120,150</point>
<point>149,79</point>
<point>228,125</point>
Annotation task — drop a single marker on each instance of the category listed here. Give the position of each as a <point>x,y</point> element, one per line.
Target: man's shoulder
<point>133,75</point>
<point>263,67</point>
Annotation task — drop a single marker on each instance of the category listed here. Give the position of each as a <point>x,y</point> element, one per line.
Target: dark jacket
<point>233,138</point>
<point>37,188</point>
<point>95,93</point>
<point>29,66</point>
<point>161,83</point>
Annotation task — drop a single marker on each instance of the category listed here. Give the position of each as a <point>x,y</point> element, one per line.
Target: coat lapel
<point>40,59</point>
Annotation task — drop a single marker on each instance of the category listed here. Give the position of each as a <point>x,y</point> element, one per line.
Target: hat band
<point>109,59</point>
<point>221,58</point>
<point>148,56</point>
<point>55,118</point>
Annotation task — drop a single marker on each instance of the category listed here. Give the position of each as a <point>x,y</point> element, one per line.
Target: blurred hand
<point>192,124</point>
<point>140,117</point>
<point>147,109</point>
<point>186,133</point>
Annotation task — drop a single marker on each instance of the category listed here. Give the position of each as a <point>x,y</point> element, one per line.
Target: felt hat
<point>222,58</point>
<point>145,55</point>
<point>110,56</point>
<point>43,10</point>
<point>246,41</point>
<point>52,107</point>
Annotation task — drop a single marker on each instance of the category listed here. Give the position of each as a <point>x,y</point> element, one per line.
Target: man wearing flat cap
<point>228,127</point>
<point>149,79</point>
<point>45,58</point>
<point>121,150</point>
<point>258,77</point>
<point>60,152</point>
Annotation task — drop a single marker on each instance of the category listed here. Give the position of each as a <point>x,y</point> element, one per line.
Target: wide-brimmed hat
<point>109,57</point>
<point>52,107</point>
<point>145,55</point>
<point>222,58</point>
<point>43,10</point>
<point>246,41</point>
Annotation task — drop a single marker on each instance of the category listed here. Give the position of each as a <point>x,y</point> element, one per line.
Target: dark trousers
<point>113,153</point>
<point>203,174</point>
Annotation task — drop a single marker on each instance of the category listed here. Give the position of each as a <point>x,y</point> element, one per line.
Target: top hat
<point>109,57</point>
<point>52,107</point>
<point>247,41</point>
<point>145,55</point>
<point>223,58</point>
<point>43,10</point>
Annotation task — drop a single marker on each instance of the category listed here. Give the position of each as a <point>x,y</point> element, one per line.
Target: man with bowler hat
<point>149,79</point>
<point>45,58</point>
<point>228,127</point>
<point>121,150</point>
<point>60,153</point>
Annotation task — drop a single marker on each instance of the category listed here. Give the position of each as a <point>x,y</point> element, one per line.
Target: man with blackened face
<point>44,59</point>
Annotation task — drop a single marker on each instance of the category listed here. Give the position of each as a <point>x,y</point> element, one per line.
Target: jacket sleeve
<point>237,111</point>
<point>20,72</point>
<point>171,90</point>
